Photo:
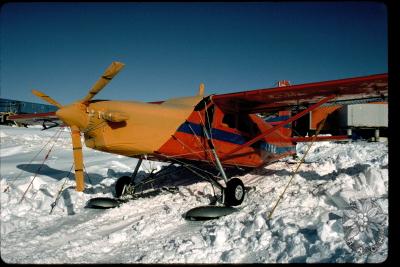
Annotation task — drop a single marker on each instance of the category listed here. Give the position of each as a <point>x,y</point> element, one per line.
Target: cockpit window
<point>241,122</point>
<point>229,120</point>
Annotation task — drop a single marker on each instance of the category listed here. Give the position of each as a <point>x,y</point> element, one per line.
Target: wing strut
<point>276,127</point>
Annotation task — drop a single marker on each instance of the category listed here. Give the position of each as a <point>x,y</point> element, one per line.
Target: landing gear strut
<point>125,184</point>
<point>121,184</point>
<point>232,194</point>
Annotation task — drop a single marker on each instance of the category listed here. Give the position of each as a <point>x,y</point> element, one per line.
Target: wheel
<point>120,184</point>
<point>234,192</point>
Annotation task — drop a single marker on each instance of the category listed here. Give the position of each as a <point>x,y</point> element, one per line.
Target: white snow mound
<point>307,225</point>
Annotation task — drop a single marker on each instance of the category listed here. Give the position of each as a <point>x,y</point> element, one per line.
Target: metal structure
<point>355,119</point>
<point>364,115</point>
<point>12,107</point>
<point>20,107</point>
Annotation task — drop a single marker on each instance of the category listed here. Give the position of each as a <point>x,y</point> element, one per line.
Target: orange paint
<point>320,114</point>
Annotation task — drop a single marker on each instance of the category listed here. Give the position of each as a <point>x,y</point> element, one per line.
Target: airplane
<point>222,132</point>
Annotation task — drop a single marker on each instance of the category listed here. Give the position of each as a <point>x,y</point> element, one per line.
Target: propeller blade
<point>110,72</point>
<point>78,158</point>
<point>46,98</point>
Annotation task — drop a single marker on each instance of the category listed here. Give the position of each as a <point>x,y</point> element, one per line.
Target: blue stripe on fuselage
<point>278,119</point>
<point>216,133</point>
<point>190,128</point>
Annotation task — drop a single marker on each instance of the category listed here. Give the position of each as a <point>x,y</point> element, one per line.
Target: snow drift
<point>307,226</point>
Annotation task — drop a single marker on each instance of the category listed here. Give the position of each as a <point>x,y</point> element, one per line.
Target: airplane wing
<point>366,88</point>
<point>47,120</point>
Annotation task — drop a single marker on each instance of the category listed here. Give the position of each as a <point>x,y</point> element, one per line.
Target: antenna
<point>201,90</point>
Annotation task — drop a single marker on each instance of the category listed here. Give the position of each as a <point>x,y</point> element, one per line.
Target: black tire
<point>234,192</point>
<point>119,185</point>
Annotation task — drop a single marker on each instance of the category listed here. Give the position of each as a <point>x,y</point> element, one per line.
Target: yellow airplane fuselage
<point>139,127</point>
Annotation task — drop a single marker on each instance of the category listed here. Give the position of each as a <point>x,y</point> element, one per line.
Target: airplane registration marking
<point>270,148</point>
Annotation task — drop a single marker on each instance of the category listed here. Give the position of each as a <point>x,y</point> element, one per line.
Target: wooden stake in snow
<point>298,166</point>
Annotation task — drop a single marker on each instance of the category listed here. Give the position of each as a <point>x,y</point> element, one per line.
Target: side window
<point>241,122</point>
<point>229,120</point>
<point>245,124</point>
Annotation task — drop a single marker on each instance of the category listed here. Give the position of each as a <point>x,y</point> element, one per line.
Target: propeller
<point>75,116</point>
<point>110,72</point>
<point>46,98</point>
<point>78,158</point>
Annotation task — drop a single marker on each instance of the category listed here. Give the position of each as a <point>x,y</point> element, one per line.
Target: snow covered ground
<point>311,224</point>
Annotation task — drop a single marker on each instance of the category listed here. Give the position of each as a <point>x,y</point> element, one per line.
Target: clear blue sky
<point>168,49</point>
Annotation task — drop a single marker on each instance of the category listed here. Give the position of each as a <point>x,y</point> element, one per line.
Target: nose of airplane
<point>73,115</point>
